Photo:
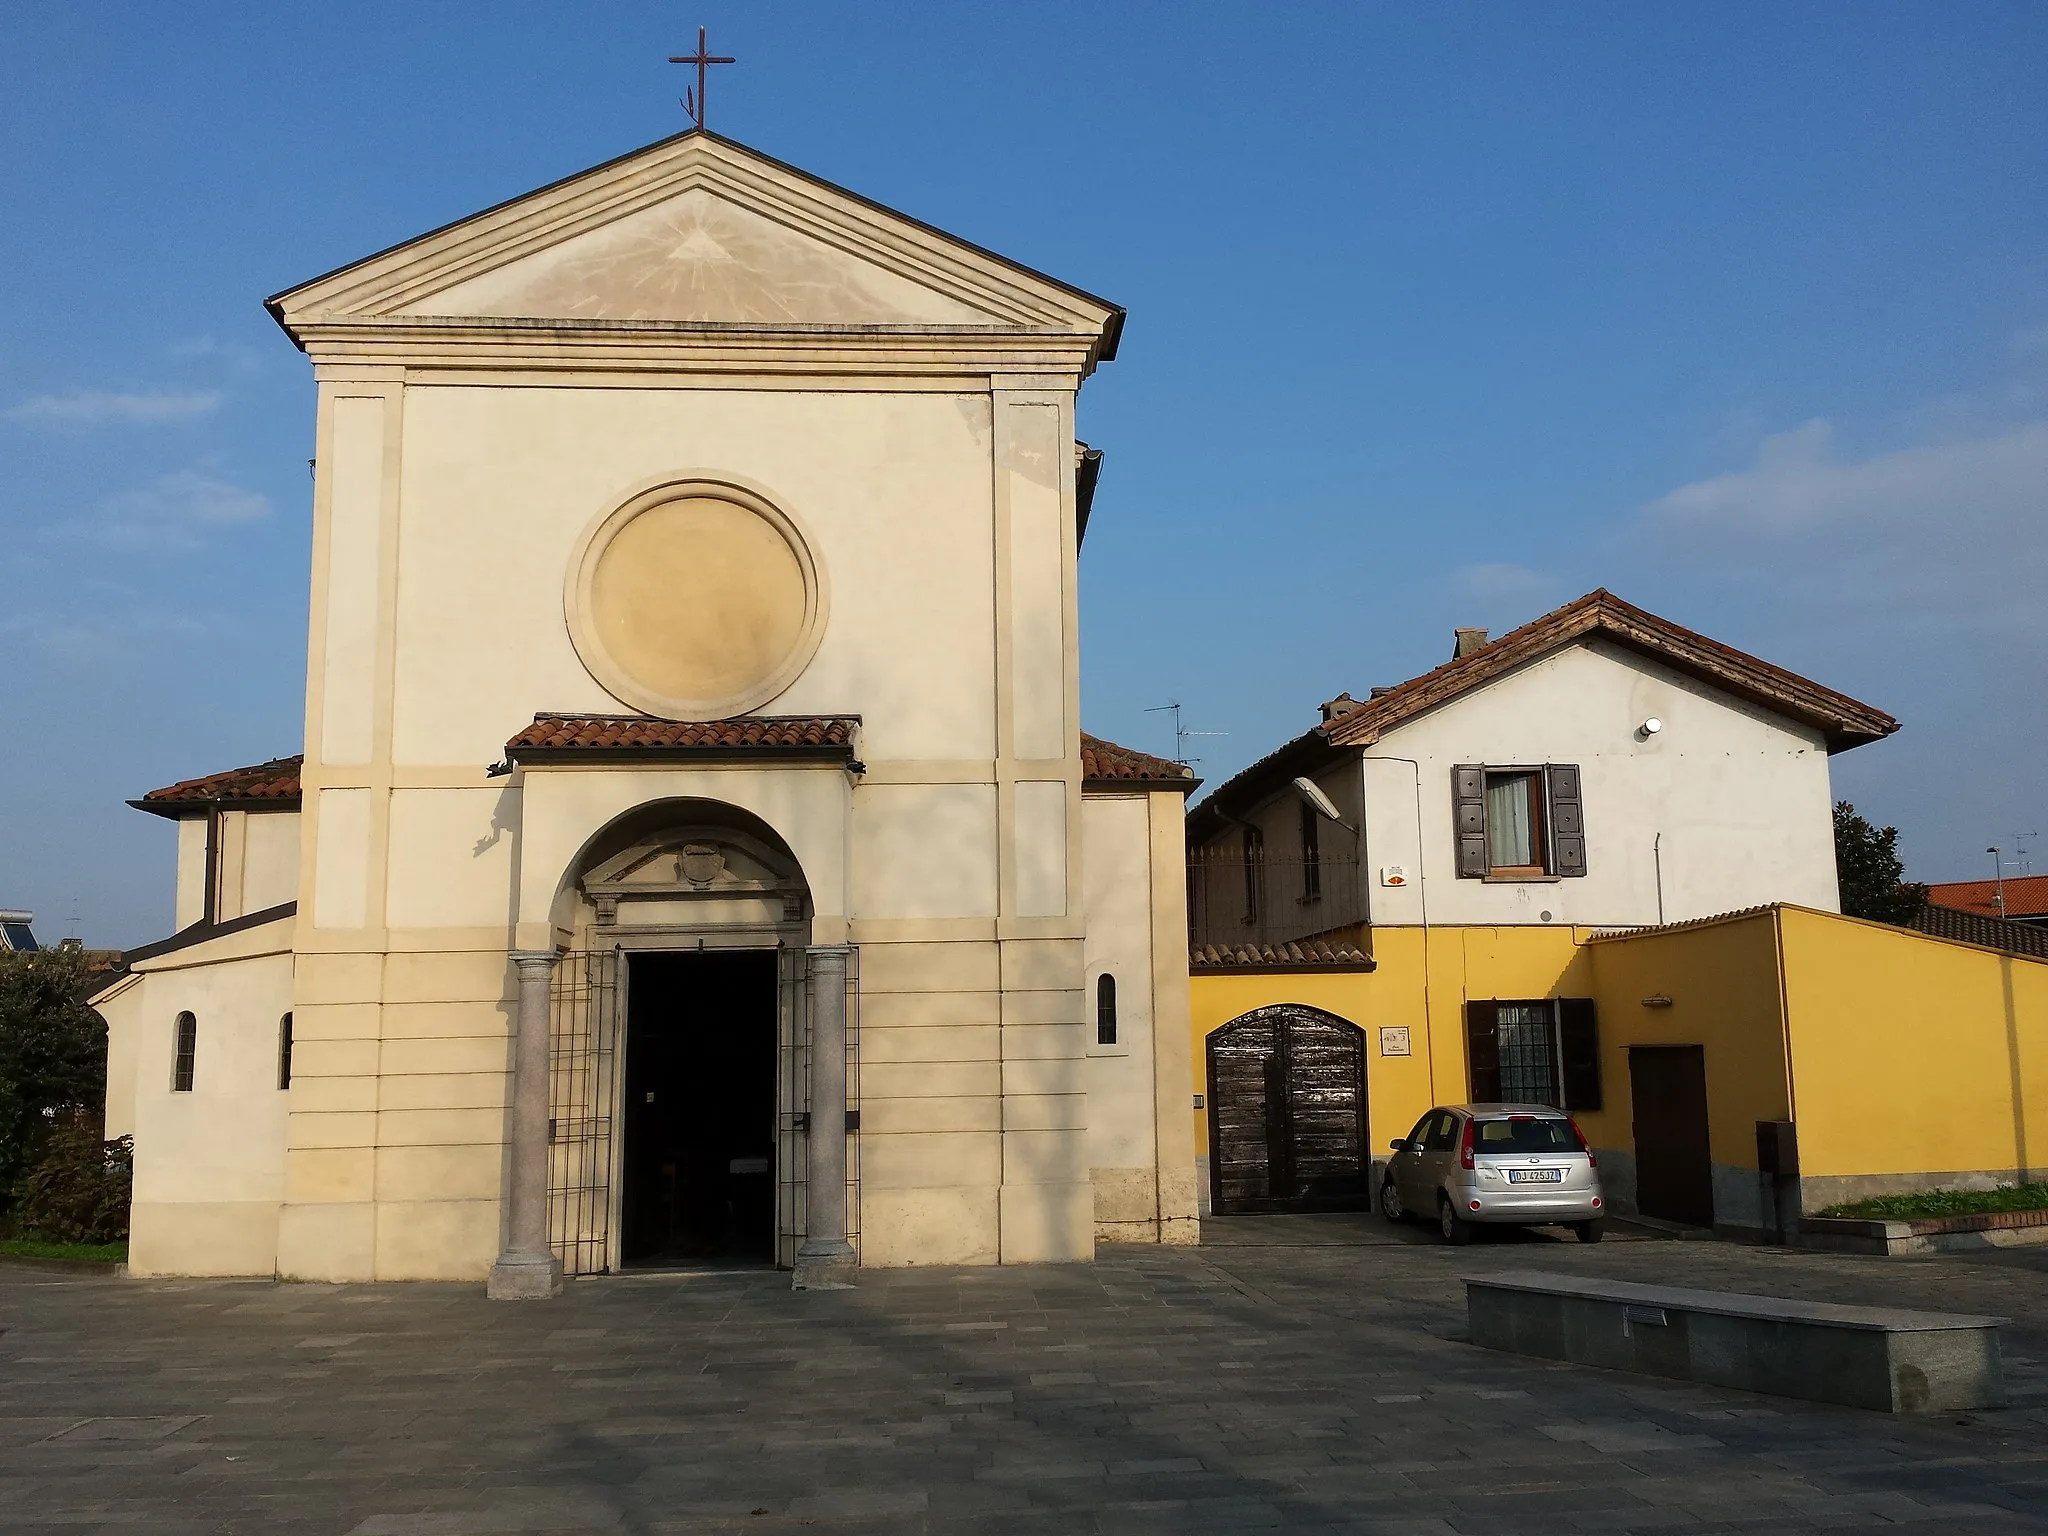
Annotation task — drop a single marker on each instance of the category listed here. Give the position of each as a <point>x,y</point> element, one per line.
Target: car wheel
<point>1455,1228</point>
<point>1390,1200</point>
<point>1588,1231</point>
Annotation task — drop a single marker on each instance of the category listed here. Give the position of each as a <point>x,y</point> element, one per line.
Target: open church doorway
<point>699,1134</point>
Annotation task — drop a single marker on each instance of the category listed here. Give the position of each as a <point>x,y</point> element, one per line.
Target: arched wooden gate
<point>1287,1125</point>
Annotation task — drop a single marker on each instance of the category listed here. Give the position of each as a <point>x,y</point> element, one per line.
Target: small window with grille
<point>184,1050</point>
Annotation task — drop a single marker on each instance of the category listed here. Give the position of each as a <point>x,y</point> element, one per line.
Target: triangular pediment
<point>696,230</point>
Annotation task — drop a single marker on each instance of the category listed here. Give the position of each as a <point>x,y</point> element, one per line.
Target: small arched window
<point>183,1049</point>
<point>1105,1009</point>
<point>284,1052</point>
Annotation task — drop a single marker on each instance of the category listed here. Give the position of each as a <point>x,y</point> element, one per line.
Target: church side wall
<point>1123,1143</point>
<point>209,1163</point>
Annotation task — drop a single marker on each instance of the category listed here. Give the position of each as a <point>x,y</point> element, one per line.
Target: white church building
<point>695,857</point>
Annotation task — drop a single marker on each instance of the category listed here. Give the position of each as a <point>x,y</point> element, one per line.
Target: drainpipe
<point>1422,888</point>
<point>1657,858</point>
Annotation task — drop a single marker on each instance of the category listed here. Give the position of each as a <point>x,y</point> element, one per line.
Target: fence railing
<point>1233,899</point>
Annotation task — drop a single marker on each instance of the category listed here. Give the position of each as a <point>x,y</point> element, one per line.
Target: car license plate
<point>1535,1175</point>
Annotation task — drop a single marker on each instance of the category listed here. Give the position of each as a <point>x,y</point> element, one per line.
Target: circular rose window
<point>695,600</point>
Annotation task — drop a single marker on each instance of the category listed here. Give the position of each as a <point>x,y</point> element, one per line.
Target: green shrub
<point>1944,1202</point>
<point>78,1190</point>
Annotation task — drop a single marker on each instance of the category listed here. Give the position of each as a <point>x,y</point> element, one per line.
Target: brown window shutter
<point>1468,819</point>
<point>1578,1039</point>
<point>1482,1051</point>
<point>1567,821</point>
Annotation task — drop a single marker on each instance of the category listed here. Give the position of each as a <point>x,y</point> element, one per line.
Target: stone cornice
<point>427,343</point>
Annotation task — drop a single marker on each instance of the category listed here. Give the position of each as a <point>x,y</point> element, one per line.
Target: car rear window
<point>1525,1133</point>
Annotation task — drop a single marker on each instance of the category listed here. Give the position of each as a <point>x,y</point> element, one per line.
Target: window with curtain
<point>184,1050</point>
<point>1514,820</point>
<point>1105,1009</point>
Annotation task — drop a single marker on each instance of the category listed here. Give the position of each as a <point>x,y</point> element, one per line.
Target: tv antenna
<point>1181,734</point>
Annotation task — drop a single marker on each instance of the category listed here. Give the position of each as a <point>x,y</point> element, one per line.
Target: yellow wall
<point>1910,1057</point>
<point>1722,979</point>
<point>1521,962</point>
<point>1912,1054</point>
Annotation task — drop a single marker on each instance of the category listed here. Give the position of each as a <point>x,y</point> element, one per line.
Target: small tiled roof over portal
<point>771,735</point>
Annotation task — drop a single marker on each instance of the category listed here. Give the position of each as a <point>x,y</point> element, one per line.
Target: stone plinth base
<point>525,1277</point>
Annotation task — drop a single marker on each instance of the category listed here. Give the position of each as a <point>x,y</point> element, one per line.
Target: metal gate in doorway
<point>586,1027</point>
<point>586,1049</point>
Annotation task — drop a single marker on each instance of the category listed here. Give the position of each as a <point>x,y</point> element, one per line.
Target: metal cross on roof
<point>693,101</point>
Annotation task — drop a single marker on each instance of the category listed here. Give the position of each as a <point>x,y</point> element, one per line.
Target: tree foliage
<point>1869,871</point>
<point>53,1055</point>
<point>78,1190</point>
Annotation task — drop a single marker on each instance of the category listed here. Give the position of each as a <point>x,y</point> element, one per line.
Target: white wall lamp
<point>1649,728</point>
<point>1313,797</point>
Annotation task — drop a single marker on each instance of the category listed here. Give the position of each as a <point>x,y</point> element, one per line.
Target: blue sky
<point>1440,314</point>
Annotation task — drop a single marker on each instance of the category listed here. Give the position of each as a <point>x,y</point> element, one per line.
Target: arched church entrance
<point>1287,1118</point>
<point>676,1033</point>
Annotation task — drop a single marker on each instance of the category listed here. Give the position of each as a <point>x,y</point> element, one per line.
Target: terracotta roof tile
<point>811,735</point>
<point>2025,896</point>
<point>1106,763</point>
<point>1301,954</point>
<point>274,782</point>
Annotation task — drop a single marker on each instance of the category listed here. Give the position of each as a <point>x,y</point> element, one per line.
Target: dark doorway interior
<point>700,1109</point>
<point>1287,1127</point>
<point>1674,1161</point>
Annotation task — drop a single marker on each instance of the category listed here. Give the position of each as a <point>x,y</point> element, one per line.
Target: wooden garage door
<point>1287,1127</point>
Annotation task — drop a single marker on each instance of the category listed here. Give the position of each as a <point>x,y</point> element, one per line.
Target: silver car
<point>1507,1164</point>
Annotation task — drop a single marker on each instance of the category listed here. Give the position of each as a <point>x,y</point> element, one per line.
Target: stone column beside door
<point>825,1261</point>
<point>527,1269</point>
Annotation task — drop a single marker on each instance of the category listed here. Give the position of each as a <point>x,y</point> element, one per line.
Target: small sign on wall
<point>1393,874</point>
<point>1394,1040</point>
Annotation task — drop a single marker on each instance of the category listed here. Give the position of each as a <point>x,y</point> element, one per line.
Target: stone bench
<point>1867,1357</point>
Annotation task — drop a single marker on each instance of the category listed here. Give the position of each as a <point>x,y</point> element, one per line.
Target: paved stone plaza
<point>1294,1374</point>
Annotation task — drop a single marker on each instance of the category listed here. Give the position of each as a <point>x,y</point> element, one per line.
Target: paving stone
<point>1304,1375</point>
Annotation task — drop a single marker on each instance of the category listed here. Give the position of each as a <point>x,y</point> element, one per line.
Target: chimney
<point>1343,704</point>
<point>1468,641</point>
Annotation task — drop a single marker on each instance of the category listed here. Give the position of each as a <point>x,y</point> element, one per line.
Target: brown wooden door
<point>1287,1128</point>
<point>1674,1161</point>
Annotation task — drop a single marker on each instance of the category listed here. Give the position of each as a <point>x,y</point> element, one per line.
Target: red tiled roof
<point>1844,722</point>
<point>273,783</point>
<point>1107,764</point>
<point>1302,954</point>
<point>2025,896</point>
<point>802,735</point>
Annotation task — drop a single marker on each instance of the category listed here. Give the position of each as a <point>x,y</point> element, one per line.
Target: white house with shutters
<point>1599,767</point>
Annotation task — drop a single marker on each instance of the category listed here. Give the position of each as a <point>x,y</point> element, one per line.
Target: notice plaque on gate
<point>1394,1040</point>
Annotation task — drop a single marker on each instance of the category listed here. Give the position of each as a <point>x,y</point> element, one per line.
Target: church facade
<point>695,855</point>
